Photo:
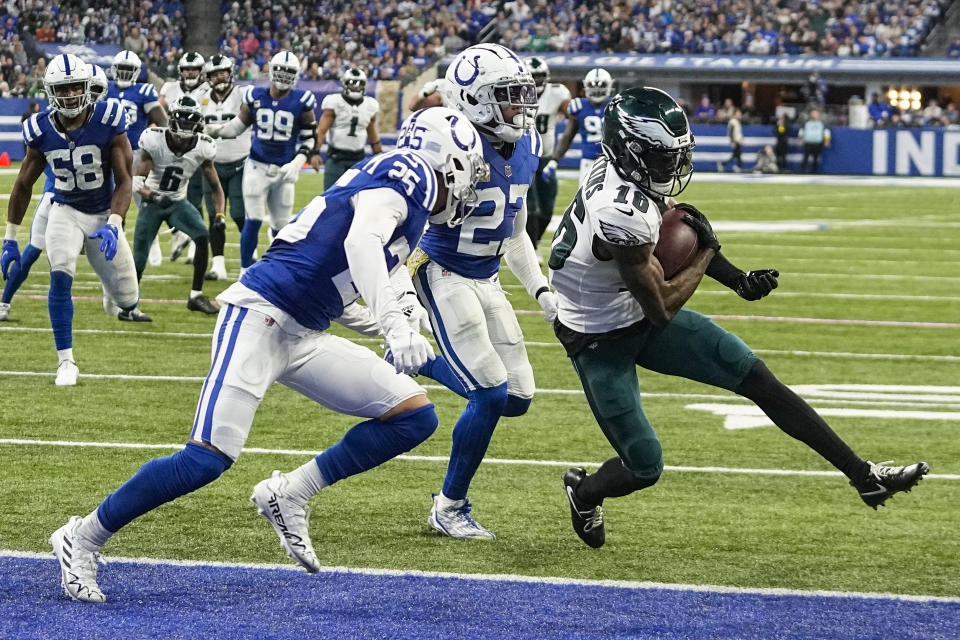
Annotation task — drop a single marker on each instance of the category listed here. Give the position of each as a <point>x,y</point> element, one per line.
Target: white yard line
<point>509,577</point>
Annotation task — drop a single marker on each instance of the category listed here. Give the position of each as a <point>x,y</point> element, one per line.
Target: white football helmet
<point>98,83</point>
<point>186,118</point>
<point>284,70</point>
<point>485,80</point>
<point>451,146</point>
<point>67,83</point>
<point>214,67</point>
<point>354,83</point>
<point>598,85</point>
<point>126,68</point>
<point>540,73</point>
<point>189,62</point>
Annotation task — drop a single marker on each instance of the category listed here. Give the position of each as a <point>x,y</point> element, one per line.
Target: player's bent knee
<point>410,404</point>
<point>491,401</point>
<point>516,406</point>
<point>644,459</point>
<point>413,427</point>
<point>187,470</point>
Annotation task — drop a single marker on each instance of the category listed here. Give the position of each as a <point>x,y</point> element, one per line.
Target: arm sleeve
<point>233,128</point>
<point>359,318</point>
<point>377,213</point>
<point>521,257</point>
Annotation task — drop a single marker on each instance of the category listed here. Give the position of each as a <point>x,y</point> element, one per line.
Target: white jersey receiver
<point>592,296</point>
<point>349,130</point>
<point>171,172</point>
<point>552,98</point>
<point>173,91</point>
<point>219,113</point>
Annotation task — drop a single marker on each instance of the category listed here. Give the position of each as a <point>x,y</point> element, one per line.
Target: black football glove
<point>218,223</point>
<point>695,213</point>
<point>754,285</point>
<point>160,200</point>
<point>705,236</point>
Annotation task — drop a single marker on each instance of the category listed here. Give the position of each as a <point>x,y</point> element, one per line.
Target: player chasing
<point>284,136</point>
<point>586,117</point>
<point>616,312</point>
<point>15,272</point>
<point>272,327</point>
<point>169,158</point>
<point>348,120</point>
<point>86,145</point>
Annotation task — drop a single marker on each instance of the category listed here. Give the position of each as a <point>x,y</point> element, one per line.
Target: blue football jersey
<point>49,178</point>
<point>473,249</point>
<point>304,272</point>
<point>138,100</point>
<point>276,123</point>
<point>80,163</point>
<point>589,119</point>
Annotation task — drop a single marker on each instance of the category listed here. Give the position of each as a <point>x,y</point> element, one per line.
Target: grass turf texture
<point>705,528</point>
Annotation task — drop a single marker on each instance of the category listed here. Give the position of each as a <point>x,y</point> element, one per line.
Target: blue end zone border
<point>158,600</point>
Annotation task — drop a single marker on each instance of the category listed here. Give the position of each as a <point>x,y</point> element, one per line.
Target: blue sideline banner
<point>101,54</point>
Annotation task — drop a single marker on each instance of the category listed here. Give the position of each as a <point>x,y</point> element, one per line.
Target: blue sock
<point>516,406</point>
<point>248,241</point>
<point>439,369</point>
<point>19,271</point>
<point>60,306</point>
<point>371,443</point>
<point>161,480</point>
<point>471,437</point>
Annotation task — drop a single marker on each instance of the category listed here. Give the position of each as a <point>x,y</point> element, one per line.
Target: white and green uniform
<point>231,152</point>
<point>543,192</point>
<point>553,96</point>
<point>171,92</point>
<point>347,136</point>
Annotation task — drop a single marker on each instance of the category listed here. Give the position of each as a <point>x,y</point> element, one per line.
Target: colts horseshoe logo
<point>453,134</point>
<point>476,71</point>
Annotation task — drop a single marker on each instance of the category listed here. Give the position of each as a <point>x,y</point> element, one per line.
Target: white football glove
<point>548,302</point>
<point>549,170</point>
<point>213,130</point>
<point>417,316</point>
<point>430,88</point>
<point>410,349</point>
<point>291,171</point>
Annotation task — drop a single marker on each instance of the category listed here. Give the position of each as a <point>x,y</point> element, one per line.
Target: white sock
<point>64,354</point>
<point>218,264</point>
<point>305,481</point>
<point>93,532</point>
<point>446,503</point>
<point>194,293</point>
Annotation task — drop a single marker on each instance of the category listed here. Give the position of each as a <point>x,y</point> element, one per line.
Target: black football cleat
<point>587,519</point>
<point>883,481</point>
<point>133,315</point>
<point>201,303</point>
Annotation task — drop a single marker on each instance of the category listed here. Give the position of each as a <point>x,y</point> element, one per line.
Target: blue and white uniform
<point>589,118</point>
<point>138,100</point>
<point>272,322</point>
<point>276,123</point>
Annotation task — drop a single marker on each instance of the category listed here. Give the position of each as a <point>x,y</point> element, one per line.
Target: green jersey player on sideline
<point>616,311</point>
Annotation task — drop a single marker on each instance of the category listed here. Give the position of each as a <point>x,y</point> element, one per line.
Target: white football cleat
<point>453,519</point>
<point>178,242</point>
<point>4,311</point>
<point>289,519</point>
<point>216,274</point>
<point>155,257</point>
<point>78,563</point>
<point>67,374</point>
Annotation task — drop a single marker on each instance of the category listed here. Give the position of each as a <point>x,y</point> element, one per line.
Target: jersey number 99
<point>274,125</point>
<point>78,169</point>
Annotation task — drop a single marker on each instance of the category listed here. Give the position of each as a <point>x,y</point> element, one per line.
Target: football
<point>677,246</point>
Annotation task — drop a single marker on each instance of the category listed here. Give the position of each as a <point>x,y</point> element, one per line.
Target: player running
<point>272,327</point>
<point>283,138</point>
<point>616,312</point>
<point>86,144</point>
<point>586,117</point>
<point>348,120</point>
<point>169,158</point>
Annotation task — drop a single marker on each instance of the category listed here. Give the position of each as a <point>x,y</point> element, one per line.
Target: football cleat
<point>201,303</point>
<point>288,518</point>
<point>78,564</point>
<point>587,518</point>
<point>455,521</point>
<point>216,274</point>
<point>883,481</point>
<point>4,311</point>
<point>67,373</point>
<point>155,257</point>
<point>134,315</point>
<point>178,242</point>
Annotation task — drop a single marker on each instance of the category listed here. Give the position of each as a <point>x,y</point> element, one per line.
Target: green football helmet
<point>648,140</point>
<point>540,72</point>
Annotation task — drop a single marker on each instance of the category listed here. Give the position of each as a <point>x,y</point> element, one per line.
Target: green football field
<point>866,323</point>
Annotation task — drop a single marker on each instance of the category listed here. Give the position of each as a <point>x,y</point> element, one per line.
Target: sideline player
<point>347,121</point>
<point>272,327</point>
<point>283,138</point>
<point>16,273</point>
<point>586,116</point>
<point>87,146</point>
<point>553,101</point>
<point>222,105</point>
<point>169,158</point>
<point>456,273</point>
<point>616,312</point>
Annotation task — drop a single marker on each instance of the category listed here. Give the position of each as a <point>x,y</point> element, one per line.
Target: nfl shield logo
<point>507,170</point>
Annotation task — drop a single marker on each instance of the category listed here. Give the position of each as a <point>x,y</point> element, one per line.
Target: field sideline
<point>747,535</point>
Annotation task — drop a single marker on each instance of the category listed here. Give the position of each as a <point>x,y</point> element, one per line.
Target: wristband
<point>540,291</point>
<point>115,220</point>
<point>12,230</point>
<point>219,214</point>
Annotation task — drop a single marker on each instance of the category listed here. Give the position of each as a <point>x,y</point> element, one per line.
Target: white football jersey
<point>172,91</point>
<point>220,113</point>
<point>172,172</point>
<point>349,130</point>
<point>554,95</point>
<point>592,296</point>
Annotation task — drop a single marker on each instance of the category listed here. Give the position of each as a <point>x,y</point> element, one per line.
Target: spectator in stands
<point>705,111</point>
<point>135,41</point>
<point>950,115</point>
<point>933,113</point>
<point>953,51</point>
<point>880,109</point>
<point>815,136</point>
<point>46,33</point>
<point>766,161</point>
<point>726,112</point>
